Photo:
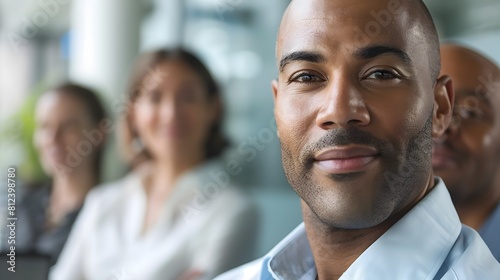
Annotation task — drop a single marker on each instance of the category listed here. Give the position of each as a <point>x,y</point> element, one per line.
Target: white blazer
<point>205,226</point>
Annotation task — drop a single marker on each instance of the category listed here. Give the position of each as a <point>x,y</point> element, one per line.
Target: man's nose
<point>343,105</point>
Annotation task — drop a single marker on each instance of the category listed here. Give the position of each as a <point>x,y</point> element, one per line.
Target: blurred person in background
<point>65,116</point>
<point>468,157</point>
<point>174,216</point>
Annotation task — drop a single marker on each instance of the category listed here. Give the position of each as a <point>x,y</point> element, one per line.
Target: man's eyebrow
<point>377,50</point>
<point>301,56</point>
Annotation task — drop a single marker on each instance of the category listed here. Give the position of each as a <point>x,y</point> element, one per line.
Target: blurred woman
<point>63,117</point>
<point>175,215</point>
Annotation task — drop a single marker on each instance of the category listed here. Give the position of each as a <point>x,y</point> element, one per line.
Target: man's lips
<point>443,157</point>
<point>346,159</point>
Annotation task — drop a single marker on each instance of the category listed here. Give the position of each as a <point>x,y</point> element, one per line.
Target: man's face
<point>354,109</point>
<point>469,158</point>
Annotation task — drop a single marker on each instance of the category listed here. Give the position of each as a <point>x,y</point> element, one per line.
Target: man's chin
<point>357,219</point>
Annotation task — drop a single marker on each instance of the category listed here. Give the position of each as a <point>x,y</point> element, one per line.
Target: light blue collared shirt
<point>429,242</point>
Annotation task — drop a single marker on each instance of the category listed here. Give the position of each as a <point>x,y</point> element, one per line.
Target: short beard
<point>405,170</point>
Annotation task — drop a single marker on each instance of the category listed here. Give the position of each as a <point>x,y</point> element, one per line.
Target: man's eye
<point>383,75</point>
<point>305,78</point>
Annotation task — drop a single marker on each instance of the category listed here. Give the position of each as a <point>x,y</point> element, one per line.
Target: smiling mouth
<point>344,160</point>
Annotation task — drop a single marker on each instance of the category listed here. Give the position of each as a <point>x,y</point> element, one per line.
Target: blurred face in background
<point>469,157</point>
<point>60,121</point>
<point>173,113</point>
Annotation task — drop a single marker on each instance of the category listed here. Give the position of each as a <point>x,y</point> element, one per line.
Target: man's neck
<point>334,250</point>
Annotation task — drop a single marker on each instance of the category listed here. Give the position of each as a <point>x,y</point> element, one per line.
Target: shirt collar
<point>427,232</point>
<point>292,257</point>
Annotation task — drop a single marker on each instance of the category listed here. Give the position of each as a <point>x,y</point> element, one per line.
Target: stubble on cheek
<point>356,206</point>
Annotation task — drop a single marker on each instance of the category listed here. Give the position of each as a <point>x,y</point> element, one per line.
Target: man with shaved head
<point>468,155</point>
<point>358,100</point>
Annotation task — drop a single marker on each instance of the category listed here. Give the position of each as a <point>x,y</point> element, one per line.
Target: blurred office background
<point>93,42</point>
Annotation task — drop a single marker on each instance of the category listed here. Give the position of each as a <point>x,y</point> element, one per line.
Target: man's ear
<point>274,85</point>
<point>444,98</point>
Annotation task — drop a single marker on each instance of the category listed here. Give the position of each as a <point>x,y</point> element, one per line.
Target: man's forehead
<point>368,22</point>
<point>328,9</point>
<point>470,69</point>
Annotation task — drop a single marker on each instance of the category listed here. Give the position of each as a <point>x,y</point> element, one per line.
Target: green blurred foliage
<point>17,133</point>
